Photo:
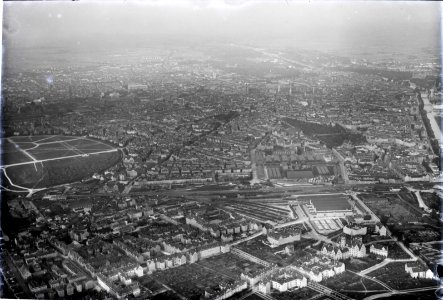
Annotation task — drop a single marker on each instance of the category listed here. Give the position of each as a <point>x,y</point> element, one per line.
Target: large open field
<point>35,162</point>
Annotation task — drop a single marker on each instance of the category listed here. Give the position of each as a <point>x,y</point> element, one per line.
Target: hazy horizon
<point>335,25</point>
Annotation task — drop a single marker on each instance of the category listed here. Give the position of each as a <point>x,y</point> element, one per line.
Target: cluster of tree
<point>428,82</point>
<point>412,234</point>
<point>432,200</point>
<point>339,139</point>
<point>311,128</point>
<point>227,116</point>
<point>331,135</point>
<point>10,224</point>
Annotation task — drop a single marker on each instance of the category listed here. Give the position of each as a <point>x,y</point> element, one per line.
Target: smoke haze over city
<point>328,25</point>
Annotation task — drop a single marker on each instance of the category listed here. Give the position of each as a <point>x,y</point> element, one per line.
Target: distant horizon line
<point>306,45</point>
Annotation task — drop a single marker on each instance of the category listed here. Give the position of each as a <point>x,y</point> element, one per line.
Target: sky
<point>91,25</point>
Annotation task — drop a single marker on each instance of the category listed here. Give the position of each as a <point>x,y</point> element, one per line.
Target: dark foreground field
<point>43,161</point>
<point>55,172</point>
